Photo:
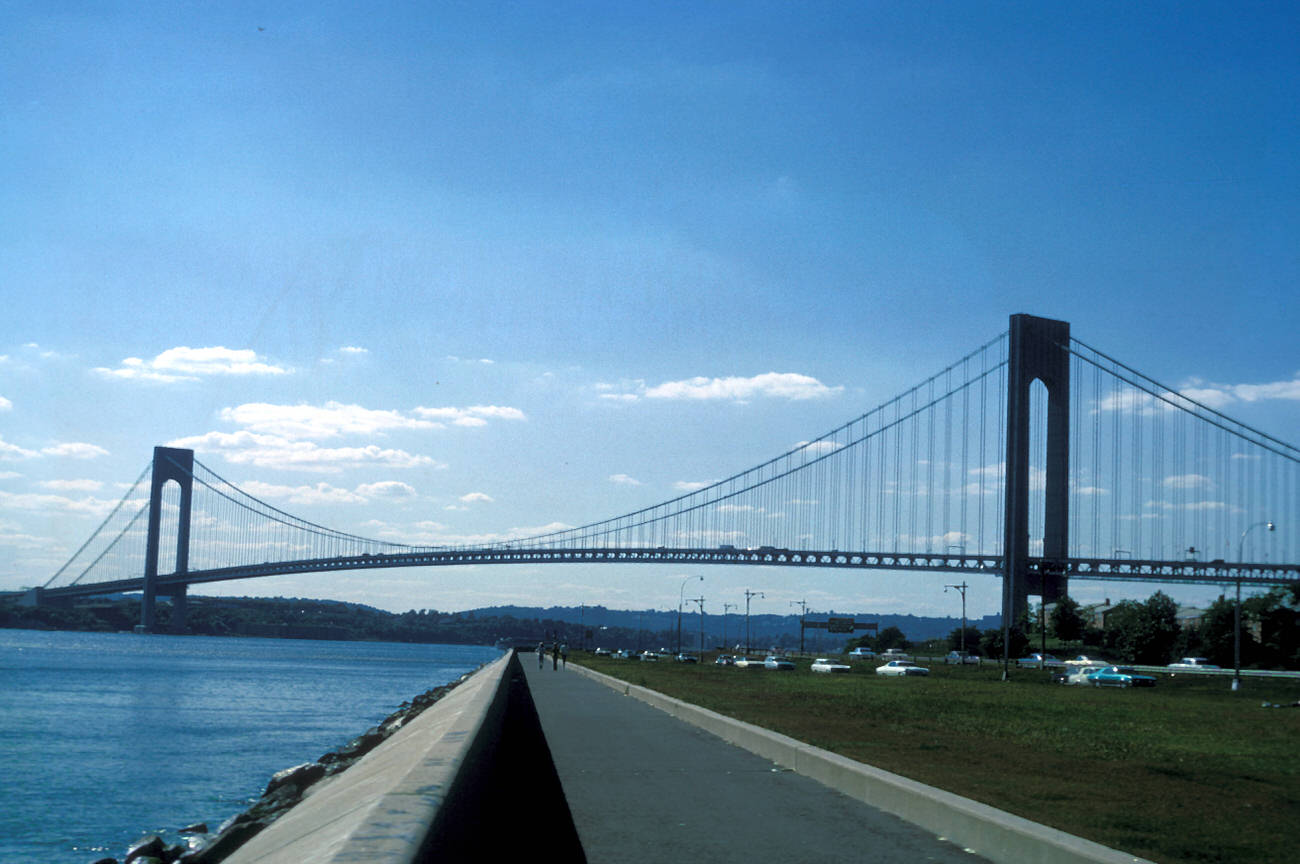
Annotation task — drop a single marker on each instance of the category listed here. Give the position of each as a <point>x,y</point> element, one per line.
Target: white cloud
<point>75,450</point>
<point>472,497</point>
<point>13,451</point>
<point>72,485</point>
<point>321,493</point>
<point>818,447</point>
<point>45,503</point>
<point>189,364</point>
<point>776,385</point>
<point>353,349</point>
<point>1219,395</point>
<point>1186,481</point>
<point>387,490</point>
<point>689,485</point>
<point>272,451</point>
<point>474,415</point>
<point>311,422</point>
<point>624,479</point>
<point>5,404</point>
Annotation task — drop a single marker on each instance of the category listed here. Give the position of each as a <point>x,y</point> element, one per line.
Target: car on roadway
<point>1120,676</point>
<point>648,657</point>
<point>895,654</point>
<point>961,658</point>
<point>1192,663</point>
<point>1079,674</point>
<point>1039,661</point>
<point>602,652</point>
<point>623,654</point>
<point>772,661</point>
<point>861,653</point>
<point>826,664</point>
<point>743,662</point>
<point>684,657</point>
<point>724,660</point>
<point>1084,660</point>
<point>901,668</point>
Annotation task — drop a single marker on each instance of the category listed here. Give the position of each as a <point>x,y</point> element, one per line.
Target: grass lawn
<point>1185,772</point>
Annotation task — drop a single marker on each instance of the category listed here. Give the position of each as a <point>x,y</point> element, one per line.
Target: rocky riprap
<point>284,790</point>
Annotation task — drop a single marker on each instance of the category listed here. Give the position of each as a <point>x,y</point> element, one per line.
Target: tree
<point>891,637</point>
<point>991,643</point>
<point>1066,620</point>
<point>1143,632</point>
<point>972,639</point>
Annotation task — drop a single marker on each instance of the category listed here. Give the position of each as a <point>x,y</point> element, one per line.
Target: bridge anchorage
<point>1035,458</point>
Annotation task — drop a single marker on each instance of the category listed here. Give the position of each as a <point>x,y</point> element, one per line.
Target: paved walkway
<point>645,787</point>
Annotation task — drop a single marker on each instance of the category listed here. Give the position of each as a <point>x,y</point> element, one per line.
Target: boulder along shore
<point>283,791</point>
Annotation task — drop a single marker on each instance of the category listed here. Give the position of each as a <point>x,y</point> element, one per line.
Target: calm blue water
<point>105,738</point>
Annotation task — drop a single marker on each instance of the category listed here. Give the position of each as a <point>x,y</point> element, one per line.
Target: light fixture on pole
<point>803,611</point>
<point>962,588</point>
<point>1236,610</point>
<point>699,601</point>
<point>749,595</point>
<point>681,600</point>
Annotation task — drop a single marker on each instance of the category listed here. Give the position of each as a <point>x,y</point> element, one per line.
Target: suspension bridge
<point>1034,457</point>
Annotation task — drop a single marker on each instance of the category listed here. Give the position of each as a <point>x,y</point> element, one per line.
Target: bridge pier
<point>1038,350</point>
<point>169,464</point>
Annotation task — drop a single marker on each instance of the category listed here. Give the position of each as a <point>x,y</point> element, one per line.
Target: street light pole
<point>962,588</point>
<point>725,608</point>
<point>803,610</point>
<point>699,601</point>
<point>749,595</point>
<point>681,600</point>
<point>1236,610</point>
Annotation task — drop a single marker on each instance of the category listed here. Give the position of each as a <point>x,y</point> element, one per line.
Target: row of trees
<point>1147,632</point>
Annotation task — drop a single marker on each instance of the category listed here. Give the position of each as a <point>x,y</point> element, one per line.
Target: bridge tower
<point>1038,350</point>
<point>169,464</point>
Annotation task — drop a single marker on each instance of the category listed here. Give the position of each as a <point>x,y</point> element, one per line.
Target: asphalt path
<point>643,786</point>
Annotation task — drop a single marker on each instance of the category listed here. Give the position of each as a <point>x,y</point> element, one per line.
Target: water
<point>105,738</point>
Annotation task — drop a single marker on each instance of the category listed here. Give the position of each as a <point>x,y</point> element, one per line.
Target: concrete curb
<point>995,834</point>
<point>379,810</point>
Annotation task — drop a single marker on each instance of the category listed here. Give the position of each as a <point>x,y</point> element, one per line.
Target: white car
<point>895,654</point>
<point>1081,674</point>
<point>825,664</point>
<point>1193,663</point>
<point>1085,661</point>
<point>900,668</point>
<point>961,658</point>
<point>861,653</point>
<point>774,662</point>
<point>747,662</point>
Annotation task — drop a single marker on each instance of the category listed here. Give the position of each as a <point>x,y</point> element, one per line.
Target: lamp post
<point>803,611</point>
<point>681,600</point>
<point>1236,610</point>
<point>725,608</point>
<point>749,595</point>
<point>962,588</point>
<point>699,601</point>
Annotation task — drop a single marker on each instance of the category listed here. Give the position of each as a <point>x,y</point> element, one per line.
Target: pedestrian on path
<point>541,654</point>
<point>555,656</point>
<point>564,655</point>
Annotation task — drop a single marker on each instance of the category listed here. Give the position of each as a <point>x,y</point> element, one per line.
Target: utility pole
<point>803,610</point>
<point>699,601</point>
<point>725,608</point>
<point>961,588</point>
<point>749,595</point>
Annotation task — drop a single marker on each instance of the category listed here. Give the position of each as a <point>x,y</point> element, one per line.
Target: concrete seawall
<point>436,788</point>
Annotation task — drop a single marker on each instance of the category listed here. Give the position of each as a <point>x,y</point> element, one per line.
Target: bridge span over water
<point>1034,457</point>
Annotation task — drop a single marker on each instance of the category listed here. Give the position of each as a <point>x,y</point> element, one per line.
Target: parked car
<point>1193,663</point>
<point>743,662</point>
<point>724,660</point>
<point>602,652</point>
<point>648,657</point>
<point>623,654</point>
<point>825,664</point>
<point>1080,674</point>
<point>1038,661</point>
<point>1085,660</point>
<point>961,657</point>
<point>901,668</point>
<point>861,653</point>
<point>772,661</point>
<point>1120,676</point>
<point>686,658</point>
<point>895,654</point>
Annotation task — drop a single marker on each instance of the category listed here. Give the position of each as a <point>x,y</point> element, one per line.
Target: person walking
<point>564,655</point>
<point>541,654</point>
<point>555,656</point>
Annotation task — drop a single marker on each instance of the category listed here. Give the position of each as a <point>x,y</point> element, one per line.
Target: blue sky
<point>439,272</point>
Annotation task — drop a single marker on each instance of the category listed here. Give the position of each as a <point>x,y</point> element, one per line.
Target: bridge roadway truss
<point>1185,572</point>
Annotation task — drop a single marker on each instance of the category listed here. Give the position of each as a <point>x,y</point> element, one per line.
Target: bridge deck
<point>646,787</point>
